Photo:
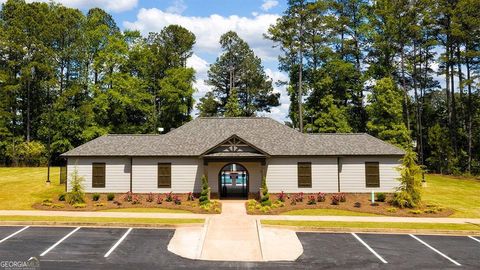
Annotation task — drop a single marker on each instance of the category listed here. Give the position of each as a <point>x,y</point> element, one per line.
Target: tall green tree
<point>238,67</point>
<point>385,114</point>
<point>330,118</point>
<point>232,108</point>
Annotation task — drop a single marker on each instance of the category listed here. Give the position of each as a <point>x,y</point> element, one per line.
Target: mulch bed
<point>119,202</point>
<point>381,208</point>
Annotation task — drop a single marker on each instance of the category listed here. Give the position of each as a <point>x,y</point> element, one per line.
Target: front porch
<point>234,177</point>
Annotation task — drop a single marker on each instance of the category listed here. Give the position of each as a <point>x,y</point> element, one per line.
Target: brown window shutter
<point>372,174</point>
<point>164,175</point>
<point>304,174</point>
<point>98,175</point>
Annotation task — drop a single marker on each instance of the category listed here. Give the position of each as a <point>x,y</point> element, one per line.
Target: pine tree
<point>331,118</point>
<point>385,114</point>
<point>239,68</point>
<point>232,108</point>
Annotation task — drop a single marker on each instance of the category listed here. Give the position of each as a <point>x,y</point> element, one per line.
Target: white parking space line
<point>118,243</point>
<point>434,249</point>
<point>473,238</point>
<point>59,241</point>
<point>369,248</point>
<point>15,233</point>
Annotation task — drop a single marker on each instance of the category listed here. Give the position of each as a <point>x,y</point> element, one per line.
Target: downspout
<point>338,173</point>
<point>131,172</point>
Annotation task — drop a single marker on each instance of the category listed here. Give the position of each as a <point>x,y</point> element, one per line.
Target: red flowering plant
<point>312,200</point>
<point>169,196</point>
<point>282,196</point>
<point>177,200</point>
<point>150,197</point>
<point>320,197</point>
<point>159,199</point>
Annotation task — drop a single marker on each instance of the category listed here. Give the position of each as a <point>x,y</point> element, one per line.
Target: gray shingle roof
<point>268,135</point>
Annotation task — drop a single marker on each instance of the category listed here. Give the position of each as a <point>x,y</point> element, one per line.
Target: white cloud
<point>177,7</point>
<point>268,4</point>
<point>209,29</point>
<point>109,5</point>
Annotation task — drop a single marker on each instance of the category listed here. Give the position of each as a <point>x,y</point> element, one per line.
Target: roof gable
<point>235,144</point>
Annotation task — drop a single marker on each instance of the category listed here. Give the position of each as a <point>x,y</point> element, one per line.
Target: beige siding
<point>282,175</point>
<point>352,176</point>
<point>186,175</point>
<point>254,170</point>
<point>117,173</point>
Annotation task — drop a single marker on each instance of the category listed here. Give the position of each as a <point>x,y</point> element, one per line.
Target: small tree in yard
<point>76,194</point>
<point>204,195</point>
<point>264,196</point>
<point>409,192</point>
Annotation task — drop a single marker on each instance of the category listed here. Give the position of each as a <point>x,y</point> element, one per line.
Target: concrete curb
<point>99,224</point>
<point>377,230</point>
<point>201,243</point>
<point>260,237</point>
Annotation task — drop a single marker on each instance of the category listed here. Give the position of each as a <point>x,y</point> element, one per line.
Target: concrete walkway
<point>236,236</point>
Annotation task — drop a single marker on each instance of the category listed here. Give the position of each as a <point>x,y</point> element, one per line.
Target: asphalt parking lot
<point>124,248</point>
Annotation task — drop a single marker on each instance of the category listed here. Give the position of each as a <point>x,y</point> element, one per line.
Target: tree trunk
<point>469,113</point>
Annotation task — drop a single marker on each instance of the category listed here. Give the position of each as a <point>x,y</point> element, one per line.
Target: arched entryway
<point>233,181</point>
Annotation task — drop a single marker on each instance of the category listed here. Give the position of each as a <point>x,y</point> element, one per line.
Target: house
<point>235,154</point>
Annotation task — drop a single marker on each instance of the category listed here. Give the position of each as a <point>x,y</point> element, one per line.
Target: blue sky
<point>208,20</point>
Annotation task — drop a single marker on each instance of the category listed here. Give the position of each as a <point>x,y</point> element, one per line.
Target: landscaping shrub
<point>117,203</point>
<point>177,200</point>
<point>320,197</point>
<point>136,199</point>
<point>47,202</point>
<point>110,196</point>
<point>79,205</point>
<point>311,200</point>
<point>408,194</point>
<point>392,210</point>
<point>159,199</point>
<point>95,197</point>
<point>357,205</point>
<point>128,197</point>
<point>264,196</point>
<point>99,204</point>
<point>150,197</point>
<point>342,197</point>
<point>205,193</point>
<point>265,209</point>
<point>381,197</point>
<point>282,196</point>
<point>57,205</point>
<point>76,194</point>
<point>335,199</point>
<point>279,203</point>
<point>298,197</point>
<point>61,197</point>
<point>169,197</point>
<point>190,197</point>
<point>415,212</point>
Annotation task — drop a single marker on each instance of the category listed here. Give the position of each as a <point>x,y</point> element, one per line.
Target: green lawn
<point>325,212</point>
<point>460,194</point>
<point>148,210</point>
<point>20,188</point>
<point>374,225</point>
<point>59,219</point>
